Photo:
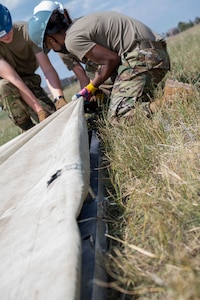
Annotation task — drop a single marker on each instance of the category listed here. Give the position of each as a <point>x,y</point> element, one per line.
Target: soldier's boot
<point>173,90</point>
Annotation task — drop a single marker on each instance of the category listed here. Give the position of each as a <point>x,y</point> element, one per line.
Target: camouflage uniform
<point>18,111</point>
<point>138,75</point>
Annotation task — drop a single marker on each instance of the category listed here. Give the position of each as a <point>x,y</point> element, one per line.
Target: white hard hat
<point>48,6</point>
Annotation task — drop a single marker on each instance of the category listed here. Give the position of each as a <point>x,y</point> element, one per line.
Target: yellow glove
<point>87,92</point>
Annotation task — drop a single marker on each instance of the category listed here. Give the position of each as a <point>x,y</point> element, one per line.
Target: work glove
<point>87,92</point>
<point>59,102</point>
<point>96,102</point>
<point>42,114</point>
<point>100,97</point>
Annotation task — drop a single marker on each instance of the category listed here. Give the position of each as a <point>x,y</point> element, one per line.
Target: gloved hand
<point>42,114</point>
<point>100,97</point>
<point>59,102</point>
<point>87,92</point>
<point>97,102</point>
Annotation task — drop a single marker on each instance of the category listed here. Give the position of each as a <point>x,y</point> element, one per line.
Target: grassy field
<point>7,129</point>
<point>152,181</point>
<point>154,211</point>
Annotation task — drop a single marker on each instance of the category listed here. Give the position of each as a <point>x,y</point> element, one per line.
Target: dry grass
<point>154,211</point>
<point>153,192</point>
<point>70,90</point>
<point>7,129</point>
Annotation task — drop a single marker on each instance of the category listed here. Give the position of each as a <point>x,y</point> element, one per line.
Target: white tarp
<point>44,179</point>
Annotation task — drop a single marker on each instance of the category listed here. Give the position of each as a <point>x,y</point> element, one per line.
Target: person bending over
<point>21,94</point>
<point>117,43</point>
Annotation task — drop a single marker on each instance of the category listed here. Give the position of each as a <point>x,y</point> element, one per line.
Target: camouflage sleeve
<point>69,60</point>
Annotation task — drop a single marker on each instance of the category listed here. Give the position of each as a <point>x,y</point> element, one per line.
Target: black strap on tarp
<point>92,229</point>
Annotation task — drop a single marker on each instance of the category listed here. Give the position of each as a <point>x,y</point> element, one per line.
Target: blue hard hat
<point>5,21</point>
<point>36,28</point>
<point>38,23</point>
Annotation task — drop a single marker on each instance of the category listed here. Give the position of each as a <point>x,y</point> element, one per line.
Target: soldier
<point>21,94</point>
<point>84,70</point>
<point>117,43</point>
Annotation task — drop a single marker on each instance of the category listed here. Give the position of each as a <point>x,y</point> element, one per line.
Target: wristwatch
<point>58,98</point>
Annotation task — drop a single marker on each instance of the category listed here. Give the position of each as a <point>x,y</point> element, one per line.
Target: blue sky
<point>159,15</point>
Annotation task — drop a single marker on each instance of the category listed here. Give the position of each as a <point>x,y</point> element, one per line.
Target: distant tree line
<point>182,26</point>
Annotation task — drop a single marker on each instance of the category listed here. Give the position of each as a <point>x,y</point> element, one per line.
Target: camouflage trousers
<point>138,75</point>
<point>18,111</point>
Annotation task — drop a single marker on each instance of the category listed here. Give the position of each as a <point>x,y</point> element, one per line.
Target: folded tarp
<point>44,179</point>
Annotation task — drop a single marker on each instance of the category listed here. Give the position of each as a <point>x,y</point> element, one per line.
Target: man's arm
<point>8,73</point>
<point>81,75</point>
<point>109,61</point>
<point>50,74</point>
